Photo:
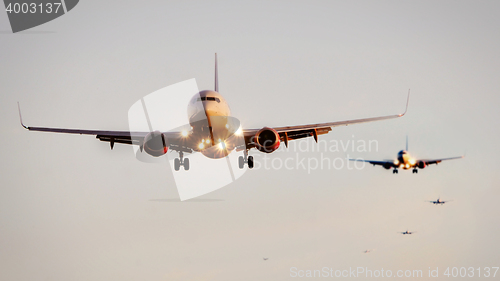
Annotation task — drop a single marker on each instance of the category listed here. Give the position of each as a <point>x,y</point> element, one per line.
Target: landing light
<point>201,145</point>
<point>412,161</point>
<point>407,165</point>
<point>222,145</point>
<point>396,162</point>
<point>184,133</point>
<point>238,132</point>
<point>208,141</point>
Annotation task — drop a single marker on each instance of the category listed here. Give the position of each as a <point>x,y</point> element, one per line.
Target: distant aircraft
<point>266,259</point>
<point>439,201</point>
<point>368,251</point>
<point>405,161</point>
<point>407,232</point>
<point>213,132</point>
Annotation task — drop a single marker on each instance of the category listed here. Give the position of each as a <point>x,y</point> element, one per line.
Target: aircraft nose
<point>212,109</point>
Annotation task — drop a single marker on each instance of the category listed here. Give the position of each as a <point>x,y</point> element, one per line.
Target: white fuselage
<point>212,125</point>
<point>404,160</point>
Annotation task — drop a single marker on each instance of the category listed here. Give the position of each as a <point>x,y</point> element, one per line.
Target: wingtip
<point>407,103</point>
<point>20,117</point>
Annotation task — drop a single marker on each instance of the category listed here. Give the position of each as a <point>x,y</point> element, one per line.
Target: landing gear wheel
<point>395,171</point>
<point>250,162</point>
<point>186,164</point>
<point>241,162</point>
<point>177,164</point>
<point>415,171</point>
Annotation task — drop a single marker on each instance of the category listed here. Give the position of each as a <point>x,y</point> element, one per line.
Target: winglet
<point>216,75</point>
<point>407,102</point>
<point>20,117</point>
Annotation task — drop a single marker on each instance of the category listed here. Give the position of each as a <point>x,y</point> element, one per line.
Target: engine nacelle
<point>155,144</point>
<point>387,166</point>
<point>421,164</point>
<point>267,140</point>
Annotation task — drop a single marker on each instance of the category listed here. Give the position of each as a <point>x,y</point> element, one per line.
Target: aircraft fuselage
<point>212,125</point>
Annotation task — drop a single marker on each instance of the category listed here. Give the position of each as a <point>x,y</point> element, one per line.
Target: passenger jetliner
<point>439,201</point>
<point>407,232</point>
<point>213,132</point>
<point>405,161</point>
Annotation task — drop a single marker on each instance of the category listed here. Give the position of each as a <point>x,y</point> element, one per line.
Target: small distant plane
<point>407,232</point>
<point>405,161</point>
<point>439,201</point>
<point>266,259</point>
<point>368,251</point>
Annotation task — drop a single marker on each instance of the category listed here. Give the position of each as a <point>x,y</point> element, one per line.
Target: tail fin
<point>406,142</point>
<point>216,75</point>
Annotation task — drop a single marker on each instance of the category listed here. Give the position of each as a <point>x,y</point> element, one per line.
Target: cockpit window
<point>209,99</point>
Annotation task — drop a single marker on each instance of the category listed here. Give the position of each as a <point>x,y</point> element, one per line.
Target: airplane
<point>439,201</point>
<point>266,259</point>
<point>405,161</point>
<point>407,232</point>
<point>368,251</point>
<point>213,132</point>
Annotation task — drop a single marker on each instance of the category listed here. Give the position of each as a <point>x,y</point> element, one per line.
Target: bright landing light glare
<point>239,131</point>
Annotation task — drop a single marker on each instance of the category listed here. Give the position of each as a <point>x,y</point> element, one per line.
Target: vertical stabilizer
<point>216,75</point>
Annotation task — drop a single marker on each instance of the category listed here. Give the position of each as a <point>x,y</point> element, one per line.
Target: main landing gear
<point>395,171</point>
<point>415,171</point>
<point>245,159</point>
<point>178,162</point>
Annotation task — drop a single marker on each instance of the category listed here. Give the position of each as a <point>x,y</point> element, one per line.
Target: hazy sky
<point>72,209</point>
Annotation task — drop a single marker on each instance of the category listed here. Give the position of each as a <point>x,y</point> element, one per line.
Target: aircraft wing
<point>436,161</point>
<point>175,140</point>
<point>314,130</point>
<point>388,164</point>
<point>123,137</point>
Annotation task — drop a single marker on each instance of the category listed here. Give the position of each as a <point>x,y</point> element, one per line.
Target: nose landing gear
<point>245,159</point>
<point>178,162</point>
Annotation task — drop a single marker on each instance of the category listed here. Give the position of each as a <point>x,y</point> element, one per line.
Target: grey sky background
<point>71,209</point>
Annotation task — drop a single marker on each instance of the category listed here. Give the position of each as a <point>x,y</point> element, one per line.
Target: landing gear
<point>395,171</point>
<point>250,162</point>
<point>245,159</point>
<point>178,162</point>
<point>241,162</point>
<point>415,171</point>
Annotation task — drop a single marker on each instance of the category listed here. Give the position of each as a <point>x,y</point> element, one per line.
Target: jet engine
<point>155,144</point>
<point>267,140</point>
<point>421,164</point>
<point>387,166</point>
